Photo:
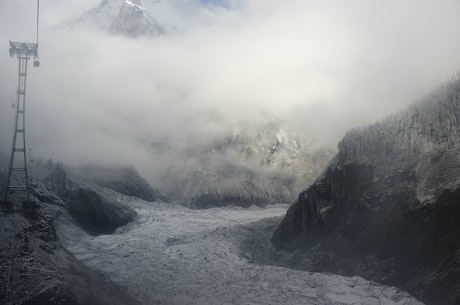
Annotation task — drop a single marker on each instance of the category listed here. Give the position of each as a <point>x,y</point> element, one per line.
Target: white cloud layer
<point>319,66</point>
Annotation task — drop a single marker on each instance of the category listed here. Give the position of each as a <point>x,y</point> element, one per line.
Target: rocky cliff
<point>261,166</point>
<point>89,193</point>
<point>35,268</point>
<point>387,206</point>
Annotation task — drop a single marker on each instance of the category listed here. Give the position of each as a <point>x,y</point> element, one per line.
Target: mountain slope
<point>87,192</point>
<point>36,269</point>
<point>388,205</point>
<point>268,165</point>
<point>122,17</point>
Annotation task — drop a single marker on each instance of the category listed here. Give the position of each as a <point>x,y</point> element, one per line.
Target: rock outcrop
<point>387,206</point>
<point>95,212</point>
<point>90,193</point>
<point>36,269</point>
<point>88,204</point>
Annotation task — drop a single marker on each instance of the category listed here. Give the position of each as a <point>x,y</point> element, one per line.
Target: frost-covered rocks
<point>36,269</point>
<point>388,205</point>
<point>259,166</point>
<point>96,212</point>
<point>89,193</point>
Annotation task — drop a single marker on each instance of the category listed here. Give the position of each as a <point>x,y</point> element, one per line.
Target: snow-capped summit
<point>133,20</point>
<point>123,17</point>
<point>134,3</point>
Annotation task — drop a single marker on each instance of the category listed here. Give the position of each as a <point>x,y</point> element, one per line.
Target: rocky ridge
<point>265,166</point>
<point>387,205</point>
<point>122,17</point>
<point>35,268</point>
<point>87,193</point>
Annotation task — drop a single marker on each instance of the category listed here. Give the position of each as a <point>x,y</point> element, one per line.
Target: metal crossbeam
<point>24,49</point>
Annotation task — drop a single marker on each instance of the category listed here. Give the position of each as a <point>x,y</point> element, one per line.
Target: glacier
<point>175,255</point>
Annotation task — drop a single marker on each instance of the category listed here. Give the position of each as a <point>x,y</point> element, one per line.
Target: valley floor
<point>173,255</point>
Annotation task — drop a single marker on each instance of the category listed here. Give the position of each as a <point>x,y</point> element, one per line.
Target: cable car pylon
<point>17,179</point>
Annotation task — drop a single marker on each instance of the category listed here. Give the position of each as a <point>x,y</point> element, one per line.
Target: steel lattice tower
<point>18,178</point>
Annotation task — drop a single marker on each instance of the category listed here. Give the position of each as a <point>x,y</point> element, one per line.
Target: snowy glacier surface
<point>174,255</point>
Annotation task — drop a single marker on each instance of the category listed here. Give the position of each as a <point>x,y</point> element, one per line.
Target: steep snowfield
<point>173,255</point>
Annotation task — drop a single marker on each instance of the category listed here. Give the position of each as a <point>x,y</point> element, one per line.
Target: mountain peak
<point>133,20</point>
<point>123,17</point>
<point>135,3</point>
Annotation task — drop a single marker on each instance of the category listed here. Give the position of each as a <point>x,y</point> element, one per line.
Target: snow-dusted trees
<point>430,123</point>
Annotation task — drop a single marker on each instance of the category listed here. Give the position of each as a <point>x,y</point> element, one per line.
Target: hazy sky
<point>321,67</point>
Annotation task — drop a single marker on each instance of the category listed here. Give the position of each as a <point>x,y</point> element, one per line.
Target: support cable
<point>38,18</point>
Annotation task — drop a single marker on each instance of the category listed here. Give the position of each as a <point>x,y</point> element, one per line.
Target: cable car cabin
<point>36,63</point>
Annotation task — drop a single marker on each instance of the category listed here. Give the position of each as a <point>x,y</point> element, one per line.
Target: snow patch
<point>134,5</point>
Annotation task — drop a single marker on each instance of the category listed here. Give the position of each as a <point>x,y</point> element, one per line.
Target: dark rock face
<point>388,205</point>
<point>35,269</point>
<point>34,266</point>
<point>339,192</point>
<point>95,212</point>
<point>88,204</point>
<point>87,192</point>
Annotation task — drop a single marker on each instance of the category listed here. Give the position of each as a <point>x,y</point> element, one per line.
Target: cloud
<point>321,67</point>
